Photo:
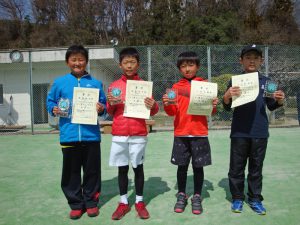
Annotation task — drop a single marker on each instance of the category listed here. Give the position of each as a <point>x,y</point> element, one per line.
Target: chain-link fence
<point>24,86</point>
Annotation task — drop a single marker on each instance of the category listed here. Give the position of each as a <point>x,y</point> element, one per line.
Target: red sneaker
<point>76,213</point>
<point>92,212</point>
<point>121,211</point>
<point>141,210</point>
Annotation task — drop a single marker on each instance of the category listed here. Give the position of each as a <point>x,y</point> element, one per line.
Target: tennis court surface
<point>30,194</point>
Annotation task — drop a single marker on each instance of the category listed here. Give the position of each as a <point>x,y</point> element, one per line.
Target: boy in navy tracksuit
<point>249,135</point>
<point>80,143</point>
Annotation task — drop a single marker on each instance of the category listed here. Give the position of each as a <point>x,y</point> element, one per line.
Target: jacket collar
<point>184,80</point>
<point>85,74</point>
<point>135,77</point>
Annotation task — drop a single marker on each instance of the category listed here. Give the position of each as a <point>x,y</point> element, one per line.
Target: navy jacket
<point>250,120</point>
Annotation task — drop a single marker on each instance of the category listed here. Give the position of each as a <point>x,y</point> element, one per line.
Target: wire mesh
<point>24,86</point>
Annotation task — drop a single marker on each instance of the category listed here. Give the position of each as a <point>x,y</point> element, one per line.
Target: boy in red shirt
<point>190,134</point>
<point>129,136</point>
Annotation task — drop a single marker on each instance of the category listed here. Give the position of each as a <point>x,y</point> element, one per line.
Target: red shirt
<point>186,124</point>
<point>127,126</point>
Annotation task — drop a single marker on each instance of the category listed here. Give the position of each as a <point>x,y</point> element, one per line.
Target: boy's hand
<point>99,107</point>
<point>149,102</point>
<point>56,110</point>
<point>279,97</point>
<point>111,99</point>
<point>215,102</point>
<point>165,100</point>
<point>232,91</point>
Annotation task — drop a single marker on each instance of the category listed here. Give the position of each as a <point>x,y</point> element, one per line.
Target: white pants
<point>127,149</point>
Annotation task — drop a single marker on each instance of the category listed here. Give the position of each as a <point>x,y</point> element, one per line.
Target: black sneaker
<point>196,204</point>
<point>181,202</point>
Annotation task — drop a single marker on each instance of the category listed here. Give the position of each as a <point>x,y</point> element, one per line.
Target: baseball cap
<point>249,48</point>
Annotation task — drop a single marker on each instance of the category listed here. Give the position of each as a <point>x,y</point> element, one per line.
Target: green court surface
<point>30,194</point>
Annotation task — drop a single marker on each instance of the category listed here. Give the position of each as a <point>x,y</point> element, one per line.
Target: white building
<point>40,67</point>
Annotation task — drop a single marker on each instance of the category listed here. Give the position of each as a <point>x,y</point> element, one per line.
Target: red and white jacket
<point>127,126</point>
<point>186,124</point>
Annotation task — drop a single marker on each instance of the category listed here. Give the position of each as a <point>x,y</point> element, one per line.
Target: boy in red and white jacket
<point>129,136</point>
<point>190,134</point>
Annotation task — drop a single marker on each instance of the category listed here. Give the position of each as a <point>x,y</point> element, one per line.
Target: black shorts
<point>185,148</point>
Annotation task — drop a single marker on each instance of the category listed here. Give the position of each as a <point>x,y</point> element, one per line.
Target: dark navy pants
<point>81,193</point>
<point>242,150</point>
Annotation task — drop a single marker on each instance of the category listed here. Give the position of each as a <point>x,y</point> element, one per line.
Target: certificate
<point>249,86</point>
<point>136,92</point>
<point>84,105</point>
<point>201,97</point>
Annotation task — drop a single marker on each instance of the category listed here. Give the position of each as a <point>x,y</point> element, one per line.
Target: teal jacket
<point>63,88</point>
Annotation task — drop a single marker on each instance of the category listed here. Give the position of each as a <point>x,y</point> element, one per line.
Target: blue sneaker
<point>237,206</point>
<point>257,207</point>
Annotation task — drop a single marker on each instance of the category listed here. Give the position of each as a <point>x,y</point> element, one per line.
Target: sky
<point>297,11</point>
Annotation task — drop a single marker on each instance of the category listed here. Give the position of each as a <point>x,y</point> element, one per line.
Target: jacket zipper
<point>79,126</point>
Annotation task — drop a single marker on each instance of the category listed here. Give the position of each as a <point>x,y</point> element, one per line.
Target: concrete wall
<point>46,66</point>
<point>15,82</point>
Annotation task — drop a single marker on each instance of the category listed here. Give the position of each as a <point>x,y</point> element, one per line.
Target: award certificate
<point>136,92</point>
<point>249,86</point>
<point>84,105</point>
<point>201,97</point>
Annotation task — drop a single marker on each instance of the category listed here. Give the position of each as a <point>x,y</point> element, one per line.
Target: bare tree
<point>12,9</point>
<point>45,11</point>
<point>145,22</point>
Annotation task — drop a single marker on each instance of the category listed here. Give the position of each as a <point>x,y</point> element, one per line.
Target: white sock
<point>138,198</point>
<point>124,199</point>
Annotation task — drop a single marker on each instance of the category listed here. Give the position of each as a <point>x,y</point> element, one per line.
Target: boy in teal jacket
<point>80,143</point>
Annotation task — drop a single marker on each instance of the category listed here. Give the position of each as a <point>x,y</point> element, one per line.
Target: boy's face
<point>77,63</point>
<point>251,62</point>
<point>188,69</point>
<point>129,66</point>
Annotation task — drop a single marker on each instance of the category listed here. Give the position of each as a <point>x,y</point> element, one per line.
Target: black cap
<point>249,48</point>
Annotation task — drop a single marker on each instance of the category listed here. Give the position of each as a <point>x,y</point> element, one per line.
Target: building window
<point>1,94</point>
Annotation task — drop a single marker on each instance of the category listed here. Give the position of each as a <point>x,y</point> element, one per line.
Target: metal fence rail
<point>158,64</point>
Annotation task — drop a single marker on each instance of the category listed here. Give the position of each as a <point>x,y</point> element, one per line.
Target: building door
<point>39,103</point>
